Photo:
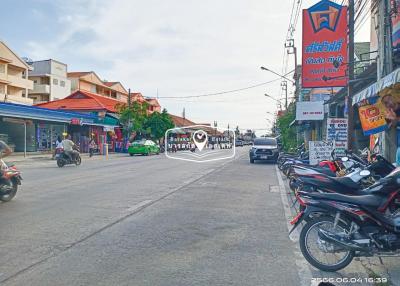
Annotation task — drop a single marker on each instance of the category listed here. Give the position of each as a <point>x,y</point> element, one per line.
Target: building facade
<point>50,81</point>
<point>14,82</point>
<point>91,82</point>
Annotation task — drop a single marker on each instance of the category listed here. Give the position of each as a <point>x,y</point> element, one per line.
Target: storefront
<point>379,111</point>
<point>33,129</point>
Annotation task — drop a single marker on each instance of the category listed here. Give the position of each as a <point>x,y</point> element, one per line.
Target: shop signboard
<point>337,132</point>
<point>396,23</point>
<point>324,43</point>
<point>320,151</point>
<point>372,117</point>
<point>76,121</point>
<point>307,110</point>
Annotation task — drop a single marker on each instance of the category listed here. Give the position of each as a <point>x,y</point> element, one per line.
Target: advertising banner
<point>396,23</point>
<point>307,110</point>
<point>324,45</point>
<point>372,117</point>
<point>337,132</point>
<point>320,151</point>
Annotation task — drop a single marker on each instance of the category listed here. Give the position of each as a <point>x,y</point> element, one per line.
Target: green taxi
<point>143,147</point>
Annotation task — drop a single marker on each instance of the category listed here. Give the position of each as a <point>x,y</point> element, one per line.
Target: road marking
<point>303,269</point>
<point>140,205</point>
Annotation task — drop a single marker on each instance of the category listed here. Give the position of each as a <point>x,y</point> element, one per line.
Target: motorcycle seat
<point>365,200</point>
<point>346,182</point>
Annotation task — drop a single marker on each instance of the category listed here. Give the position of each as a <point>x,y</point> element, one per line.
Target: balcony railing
<point>40,88</point>
<point>15,99</point>
<point>20,82</point>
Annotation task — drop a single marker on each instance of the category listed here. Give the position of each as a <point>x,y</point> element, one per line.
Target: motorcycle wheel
<point>78,160</point>
<point>6,197</point>
<point>306,234</point>
<point>60,163</point>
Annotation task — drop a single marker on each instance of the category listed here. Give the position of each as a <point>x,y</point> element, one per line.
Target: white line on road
<point>302,267</point>
<point>139,206</point>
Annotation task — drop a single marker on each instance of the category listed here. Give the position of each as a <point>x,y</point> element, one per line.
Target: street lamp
<point>267,95</point>
<point>282,76</point>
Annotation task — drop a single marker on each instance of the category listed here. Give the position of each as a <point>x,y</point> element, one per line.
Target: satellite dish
<point>29,61</point>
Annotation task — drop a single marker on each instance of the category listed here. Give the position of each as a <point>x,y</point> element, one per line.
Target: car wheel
<point>131,154</point>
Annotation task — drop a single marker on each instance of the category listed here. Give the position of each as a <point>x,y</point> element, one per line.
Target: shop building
<point>32,129</point>
<point>50,81</point>
<point>103,108</point>
<point>14,81</point>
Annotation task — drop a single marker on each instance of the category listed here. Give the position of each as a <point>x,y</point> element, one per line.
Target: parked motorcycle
<point>64,159</point>
<point>10,178</point>
<point>340,227</point>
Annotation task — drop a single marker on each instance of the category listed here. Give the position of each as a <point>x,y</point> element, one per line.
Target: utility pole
<point>284,87</point>
<point>350,47</point>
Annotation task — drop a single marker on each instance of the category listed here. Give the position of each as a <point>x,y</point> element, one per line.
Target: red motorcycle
<point>10,178</point>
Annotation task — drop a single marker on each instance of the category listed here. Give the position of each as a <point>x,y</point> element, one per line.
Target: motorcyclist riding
<point>69,147</point>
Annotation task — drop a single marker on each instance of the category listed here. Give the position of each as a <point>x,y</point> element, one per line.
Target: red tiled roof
<point>77,74</point>
<point>180,121</point>
<point>83,100</point>
<point>110,83</point>
<point>153,101</point>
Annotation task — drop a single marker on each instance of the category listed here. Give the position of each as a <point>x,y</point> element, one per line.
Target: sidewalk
<point>42,157</point>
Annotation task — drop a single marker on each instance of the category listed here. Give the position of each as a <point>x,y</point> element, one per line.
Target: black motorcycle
<point>341,227</point>
<point>64,159</point>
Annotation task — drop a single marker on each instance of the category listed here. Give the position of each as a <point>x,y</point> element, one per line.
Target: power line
<point>223,92</point>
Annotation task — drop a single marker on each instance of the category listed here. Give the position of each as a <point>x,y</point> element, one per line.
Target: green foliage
<point>288,134</point>
<point>158,123</point>
<point>135,120</point>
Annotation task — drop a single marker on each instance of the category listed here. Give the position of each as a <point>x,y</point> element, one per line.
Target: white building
<point>50,81</point>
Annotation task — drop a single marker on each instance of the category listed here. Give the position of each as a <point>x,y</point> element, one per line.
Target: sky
<point>173,48</point>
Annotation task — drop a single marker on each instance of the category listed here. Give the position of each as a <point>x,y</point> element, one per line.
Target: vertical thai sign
<point>324,45</point>
<point>337,132</point>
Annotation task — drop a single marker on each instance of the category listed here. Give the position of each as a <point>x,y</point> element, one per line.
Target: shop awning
<point>378,86</point>
<point>37,113</point>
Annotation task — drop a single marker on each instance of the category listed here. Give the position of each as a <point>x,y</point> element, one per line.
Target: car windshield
<point>138,142</point>
<point>265,141</point>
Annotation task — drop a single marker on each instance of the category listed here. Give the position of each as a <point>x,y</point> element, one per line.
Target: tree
<point>288,134</point>
<point>157,124</point>
<point>133,117</point>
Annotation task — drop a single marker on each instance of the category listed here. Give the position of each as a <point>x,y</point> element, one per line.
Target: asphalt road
<point>147,221</point>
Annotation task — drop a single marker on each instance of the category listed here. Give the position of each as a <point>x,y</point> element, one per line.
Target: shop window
<point>55,81</point>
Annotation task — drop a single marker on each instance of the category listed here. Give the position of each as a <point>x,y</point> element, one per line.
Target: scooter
<point>10,178</point>
<point>64,159</point>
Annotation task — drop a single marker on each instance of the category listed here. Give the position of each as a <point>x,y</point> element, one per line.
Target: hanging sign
<point>372,117</point>
<point>324,45</point>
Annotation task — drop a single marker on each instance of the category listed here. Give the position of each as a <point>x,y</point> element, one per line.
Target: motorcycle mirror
<point>345,159</point>
<point>365,173</point>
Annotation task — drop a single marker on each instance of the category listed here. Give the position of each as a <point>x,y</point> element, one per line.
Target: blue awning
<point>378,86</point>
<point>43,114</point>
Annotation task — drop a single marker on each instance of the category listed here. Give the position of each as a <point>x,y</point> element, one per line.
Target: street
<point>147,221</point>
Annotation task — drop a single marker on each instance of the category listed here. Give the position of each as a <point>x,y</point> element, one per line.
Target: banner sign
<point>320,151</point>
<point>372,117</point>
<point>324,43</point>
<point>307,110</point>
<point>337,132</point>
